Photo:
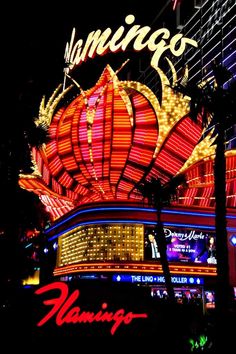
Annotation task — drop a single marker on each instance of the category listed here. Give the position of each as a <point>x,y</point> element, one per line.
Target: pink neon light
<point>175,3</point>
<point>120,152</point>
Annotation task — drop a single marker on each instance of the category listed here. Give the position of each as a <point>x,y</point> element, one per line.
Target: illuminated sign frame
<point>157,279</point>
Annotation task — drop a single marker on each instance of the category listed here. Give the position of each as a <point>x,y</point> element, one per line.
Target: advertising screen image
<point>183,245</point>
<point>151,251</point>
<point>209,299</point>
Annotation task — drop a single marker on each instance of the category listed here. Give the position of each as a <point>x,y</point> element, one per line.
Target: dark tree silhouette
<point>21,210</point>
<point>215,103</point>
<point>160,195</point>
<point>37,135</point>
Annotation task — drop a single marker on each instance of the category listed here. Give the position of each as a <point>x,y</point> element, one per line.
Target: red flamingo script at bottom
<point>65,312</point>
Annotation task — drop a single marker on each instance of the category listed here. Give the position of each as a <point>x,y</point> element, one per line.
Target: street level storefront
<point>117,242</point>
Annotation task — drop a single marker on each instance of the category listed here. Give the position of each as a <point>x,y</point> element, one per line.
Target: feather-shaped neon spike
<point>46,110</point>
<point>109,138</point>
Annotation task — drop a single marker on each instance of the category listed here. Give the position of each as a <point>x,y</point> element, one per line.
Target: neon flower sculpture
<point>114,135</point>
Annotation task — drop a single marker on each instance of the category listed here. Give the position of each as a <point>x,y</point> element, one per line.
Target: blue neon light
<point>97,209</point>
<point>148,210</point>
<point>124,222</point>
<point>233,240</point>
<point>206,227</point>
<point>157,279</point>
<point>29,245</point>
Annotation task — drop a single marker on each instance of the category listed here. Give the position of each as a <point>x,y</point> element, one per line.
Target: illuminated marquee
<point>100,43</point>
<point>157,279</point>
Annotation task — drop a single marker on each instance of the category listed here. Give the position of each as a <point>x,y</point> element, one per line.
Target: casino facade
<point>104,143</point>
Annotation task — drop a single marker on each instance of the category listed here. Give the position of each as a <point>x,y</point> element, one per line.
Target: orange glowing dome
<point>108,139</point>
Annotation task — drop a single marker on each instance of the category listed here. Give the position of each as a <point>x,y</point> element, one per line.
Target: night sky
<point>36,36</point>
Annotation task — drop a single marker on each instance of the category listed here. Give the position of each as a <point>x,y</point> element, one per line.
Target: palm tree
<point>159,195</point>
<point>215,104</point>
<point>21,209</point>
<point>37,135</point>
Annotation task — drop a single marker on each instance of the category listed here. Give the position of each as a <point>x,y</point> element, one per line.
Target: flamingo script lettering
<point>100,43</point>
<point>64,311</point>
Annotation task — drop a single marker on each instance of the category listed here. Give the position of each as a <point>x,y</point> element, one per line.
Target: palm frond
<point>160,194</point>
<point>213,103</point>
<point>38,135</point>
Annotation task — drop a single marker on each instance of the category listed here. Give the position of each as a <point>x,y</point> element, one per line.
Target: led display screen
<point>183,245</point>
<point>209,299</point>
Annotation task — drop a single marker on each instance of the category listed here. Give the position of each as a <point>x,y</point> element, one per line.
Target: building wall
<point>113,237</point>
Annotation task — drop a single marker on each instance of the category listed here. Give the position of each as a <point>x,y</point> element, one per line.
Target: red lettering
<point>72,315</point>
<point>64,312</point>
<point>118,318</point>
<point>86,317</point>
<point>128,318</point>
<point>106,317</point>
<point>98,316</point>
<point>56,302</point>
